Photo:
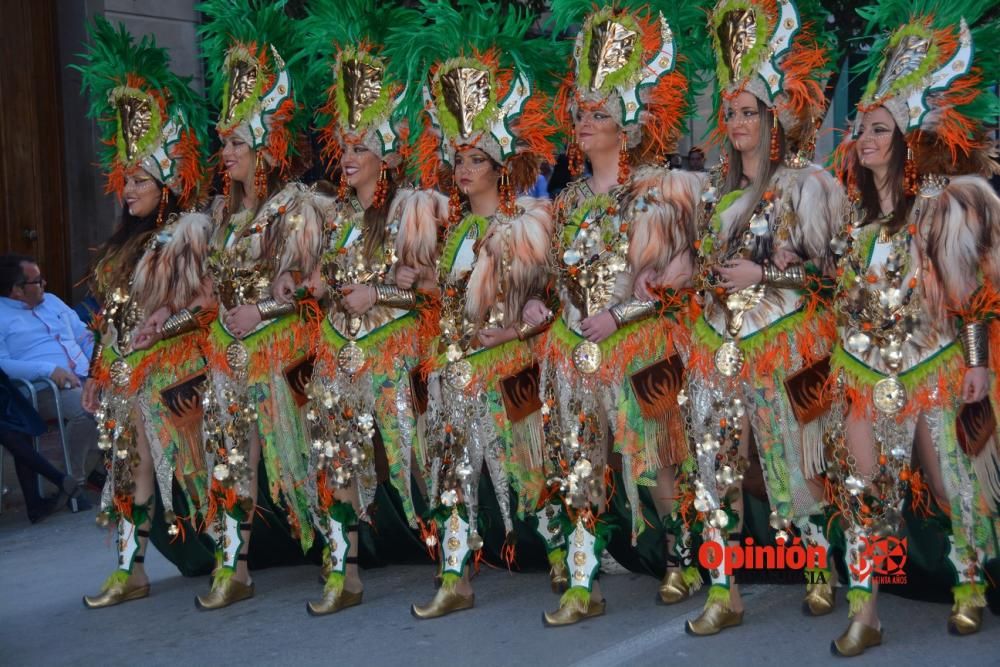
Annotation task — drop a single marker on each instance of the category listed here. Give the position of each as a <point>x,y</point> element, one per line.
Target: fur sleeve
<point>171,272</point>
<point>302,228</point>
<point>528,271</point>
<point>819,203</point>
<point>664,203</point>
<point>420,213</point>
<point>960,231</point>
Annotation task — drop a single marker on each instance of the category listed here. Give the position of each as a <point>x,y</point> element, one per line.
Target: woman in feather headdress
<point>625,228</point>
<point>758,356</point>
<point>260,342</point>
<point>919,262</point>
<point>482,386</point>
<point>376,279</point>
<point>151,122</point>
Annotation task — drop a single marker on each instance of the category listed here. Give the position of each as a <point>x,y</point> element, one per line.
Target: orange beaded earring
<point>624,171</point>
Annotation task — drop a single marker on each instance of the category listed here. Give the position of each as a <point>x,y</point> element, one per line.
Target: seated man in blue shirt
<point>42,337</point>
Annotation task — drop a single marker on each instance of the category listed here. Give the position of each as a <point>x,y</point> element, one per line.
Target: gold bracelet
<point>270,309</point>
<point>395,297</point>
<point>793,276</point>
<point>975,340</point>
<point>526,331</point>
<point>180,322</point>
<point>632,311</point>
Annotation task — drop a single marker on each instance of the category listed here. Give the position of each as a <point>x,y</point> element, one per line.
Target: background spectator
<point>40,336</point>
<point>696,159</point>
<point>18,423</point>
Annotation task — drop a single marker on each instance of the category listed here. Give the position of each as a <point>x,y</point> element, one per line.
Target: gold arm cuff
<point>270,309</point>
<point>632,311</point>
<point>395,297</point>
<point>793,276</point>
<point>180,322</point>
<point>975,340</point>
<point>526,331</point>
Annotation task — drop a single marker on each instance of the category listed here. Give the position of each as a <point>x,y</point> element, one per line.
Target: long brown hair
<point>763,245</point>
<point>274,184</point>
<point>130,236</point>
<point>865,179</point>
<point>376,217</point>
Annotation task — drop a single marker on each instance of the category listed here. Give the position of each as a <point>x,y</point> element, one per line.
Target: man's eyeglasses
<point>36,281</point>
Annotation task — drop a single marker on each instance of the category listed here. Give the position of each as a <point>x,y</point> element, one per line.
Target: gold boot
<point>224,593</point>
<point>446,601</point>
<point>116,593</point>
<point>855,640</point>
<point>333,601</point>
<point>819,599</point>
<point>673,588</point>
<point>965,619</point>
<point>558,578</point>
<point>568,614</point>
<point>714,619</point>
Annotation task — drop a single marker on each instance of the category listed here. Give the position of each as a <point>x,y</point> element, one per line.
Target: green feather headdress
<point>257,71</point>
<point>148,117</point>
<point>933,73</point>
<point>483,79</point>
<point>363,89</point>
<point>639,61</point>
<point>780,51</point>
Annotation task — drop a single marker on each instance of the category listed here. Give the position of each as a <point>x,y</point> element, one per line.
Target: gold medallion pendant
<point>729,359</point>
<point>237,356</point>
<point>587,357</point>
<point>351,358</point>
<point>120,373</point>
<point>889,395</point>
<point>458,374</point>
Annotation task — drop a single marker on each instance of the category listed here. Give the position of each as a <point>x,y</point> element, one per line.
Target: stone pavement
<point>45,569</point>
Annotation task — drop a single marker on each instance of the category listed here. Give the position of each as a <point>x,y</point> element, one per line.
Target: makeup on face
<point>238,159</point>
<point>743,122</point>
<point>141,193</point>
<point>474,171</point>
<point>874,139</point>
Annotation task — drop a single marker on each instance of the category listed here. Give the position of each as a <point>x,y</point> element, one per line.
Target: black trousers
<point>28,463</point>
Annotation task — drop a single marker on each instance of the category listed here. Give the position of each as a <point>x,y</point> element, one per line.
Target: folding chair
<point>31,389</point>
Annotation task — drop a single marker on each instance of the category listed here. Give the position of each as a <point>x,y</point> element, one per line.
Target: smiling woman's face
<point>596,132</point>
<point>874,141</point>
<point>141,193</point>
<point>238,159</point>
<point>360,165</point>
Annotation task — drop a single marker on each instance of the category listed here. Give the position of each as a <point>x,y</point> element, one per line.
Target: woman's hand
<point>783,258</point>
<point>739,274</point>
<point>644,285</point>
<point>89,399</point>
<point>358,299</point>
<point>151,331</point>
<point>975,384</point>
<point>492,337</point>
<point>535,313</point>
<point>406,276</point>
<point>283,288</point>
<point>242,320</point>
<point>598,327</point>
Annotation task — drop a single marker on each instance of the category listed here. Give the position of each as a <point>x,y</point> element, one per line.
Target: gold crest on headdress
<point>611,47</point>
<point>362,87</point>
<point>737,35</point>
<point>466,93</point>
